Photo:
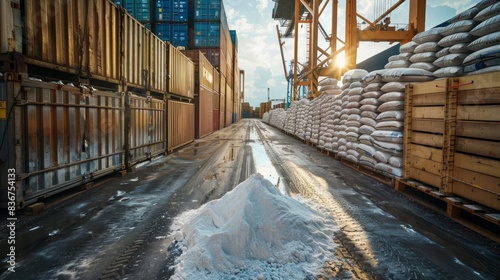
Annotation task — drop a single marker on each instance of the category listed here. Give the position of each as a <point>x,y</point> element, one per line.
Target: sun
<point>340,61</point>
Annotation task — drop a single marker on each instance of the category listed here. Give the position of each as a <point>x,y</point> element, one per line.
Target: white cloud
<point>262,5</point>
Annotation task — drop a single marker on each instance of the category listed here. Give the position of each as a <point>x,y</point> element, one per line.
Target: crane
<point>291,13</point>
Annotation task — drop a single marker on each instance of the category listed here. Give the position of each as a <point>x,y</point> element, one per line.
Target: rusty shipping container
<point>216,119</point>
<point>180,124</point>
<point>203,91</point>
<point>57,137</point>
<point>180,73</point>
<point>147,135</point>
<point>158,60</point>
<point>136,48</point>
<point>78,37</point>
<point>11,27</point>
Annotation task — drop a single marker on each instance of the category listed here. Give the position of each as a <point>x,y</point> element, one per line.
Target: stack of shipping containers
<point>236,81</point>
<point>168,19</point>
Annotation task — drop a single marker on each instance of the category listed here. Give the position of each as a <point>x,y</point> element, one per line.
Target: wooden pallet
<point>479,218</point>
<point>370,172</point>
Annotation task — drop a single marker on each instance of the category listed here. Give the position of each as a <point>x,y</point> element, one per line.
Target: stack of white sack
<point>456,37</point>
<point>328,87</point>
<point>309,122</point>
<point>265,117</point>
<point>302,114</point>
<point>350,114</point>
<point>278,117</point>
<point>388,136</point>
<point>337,109</point>
<point>291,118</point>
<point>369,113</point>
<point>315,111</point>
<point>485,56</point>
<point>424,53</point>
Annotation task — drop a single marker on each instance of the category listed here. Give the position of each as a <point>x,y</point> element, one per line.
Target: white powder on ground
<point>253,232</point>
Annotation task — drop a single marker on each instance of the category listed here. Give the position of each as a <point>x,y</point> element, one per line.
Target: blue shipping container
<point>234,38</point>
<point>207,34</point>
<point>139,9</point>
<point>171,10</point>
<point>175,33</point>
<point>207,9</point>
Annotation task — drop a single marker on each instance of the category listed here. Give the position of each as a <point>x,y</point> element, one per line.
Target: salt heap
<point>252,232</point>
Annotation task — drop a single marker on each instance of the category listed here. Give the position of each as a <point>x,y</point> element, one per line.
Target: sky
<point>258,48</point>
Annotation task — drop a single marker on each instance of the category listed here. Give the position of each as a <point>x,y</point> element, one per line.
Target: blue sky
<point>259,52</point>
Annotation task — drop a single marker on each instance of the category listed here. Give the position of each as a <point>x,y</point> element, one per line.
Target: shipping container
<point>180,122</point>
<point>70,36</point>
<point>229,105</point>
<point>451,136</point>
<point>216,58</point>
<point>180,74</point>
<point>171,10</point>
<point>58,136</point>
<point>139,9</point>
<point>222,102</point>
<point>207,34</point>
<point>147,135</point>
<point>208,10</point>
<point>174,33</point>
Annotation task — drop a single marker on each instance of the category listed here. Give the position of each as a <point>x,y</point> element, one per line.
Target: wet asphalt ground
<point>119,229</point>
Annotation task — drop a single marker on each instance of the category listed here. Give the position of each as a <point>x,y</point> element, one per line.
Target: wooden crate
<point>425,107</point>
<point>452,136</point>
<point>475,173</point>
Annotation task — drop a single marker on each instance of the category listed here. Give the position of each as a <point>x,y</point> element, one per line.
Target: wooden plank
<point>478,147</point>
<point>428,125</point>
<point>430,87</point>
<point>423,164</point>
<point>425,177</point>
<point>426,152</point>
<point>479,113</point>
<point>479,96</point>
<point>436,112</point>
<point>478,164</point>
<point>478,195</point>
<point>431,99</point>
<point>476,129</point>
<point>434,140</point>
<point>487,182</point>
<point>487,80</point>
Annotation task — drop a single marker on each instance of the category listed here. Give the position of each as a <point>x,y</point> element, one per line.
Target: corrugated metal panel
<point>216,100</point>
<point>216,80</point>
<point>203,69</point>
<point>216,119</point>
<point>158,64</point>
<point>174,33</point>
<point>147,128</point>
<point>11,36</point>
<point>222,102</point>
<point>180,124</point>
<point>229,105</point>
<point>181,73</point>
<point>67,138</point>
<point>77,36</point>
<point>207,34</point>
<point>136,52</point>
<point>203,112</point>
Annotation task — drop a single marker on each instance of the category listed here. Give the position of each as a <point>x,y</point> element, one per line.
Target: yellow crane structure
<point>292,13</point>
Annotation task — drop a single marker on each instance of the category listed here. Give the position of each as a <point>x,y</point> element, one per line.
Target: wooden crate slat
<point>479,113</point>
<point>426,152</point>
<point>488,182</point>
<point>432,99</point>
<point>430,87</point>
<point>478,147</point>
<point>436,112</point>
<point>477,129</point>
<point>477,195</point>
<point>425,177</point>
<point>478,164</point>
<point>479,96</point>
<point>433,167</point>
<point>480,81</point>
<point>434,140</point>
<point>428,125</point>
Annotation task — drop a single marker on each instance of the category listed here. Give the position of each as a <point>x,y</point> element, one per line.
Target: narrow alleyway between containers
<point>122,228</point>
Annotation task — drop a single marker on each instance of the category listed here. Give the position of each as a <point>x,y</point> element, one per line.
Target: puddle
<point>263,164</point>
